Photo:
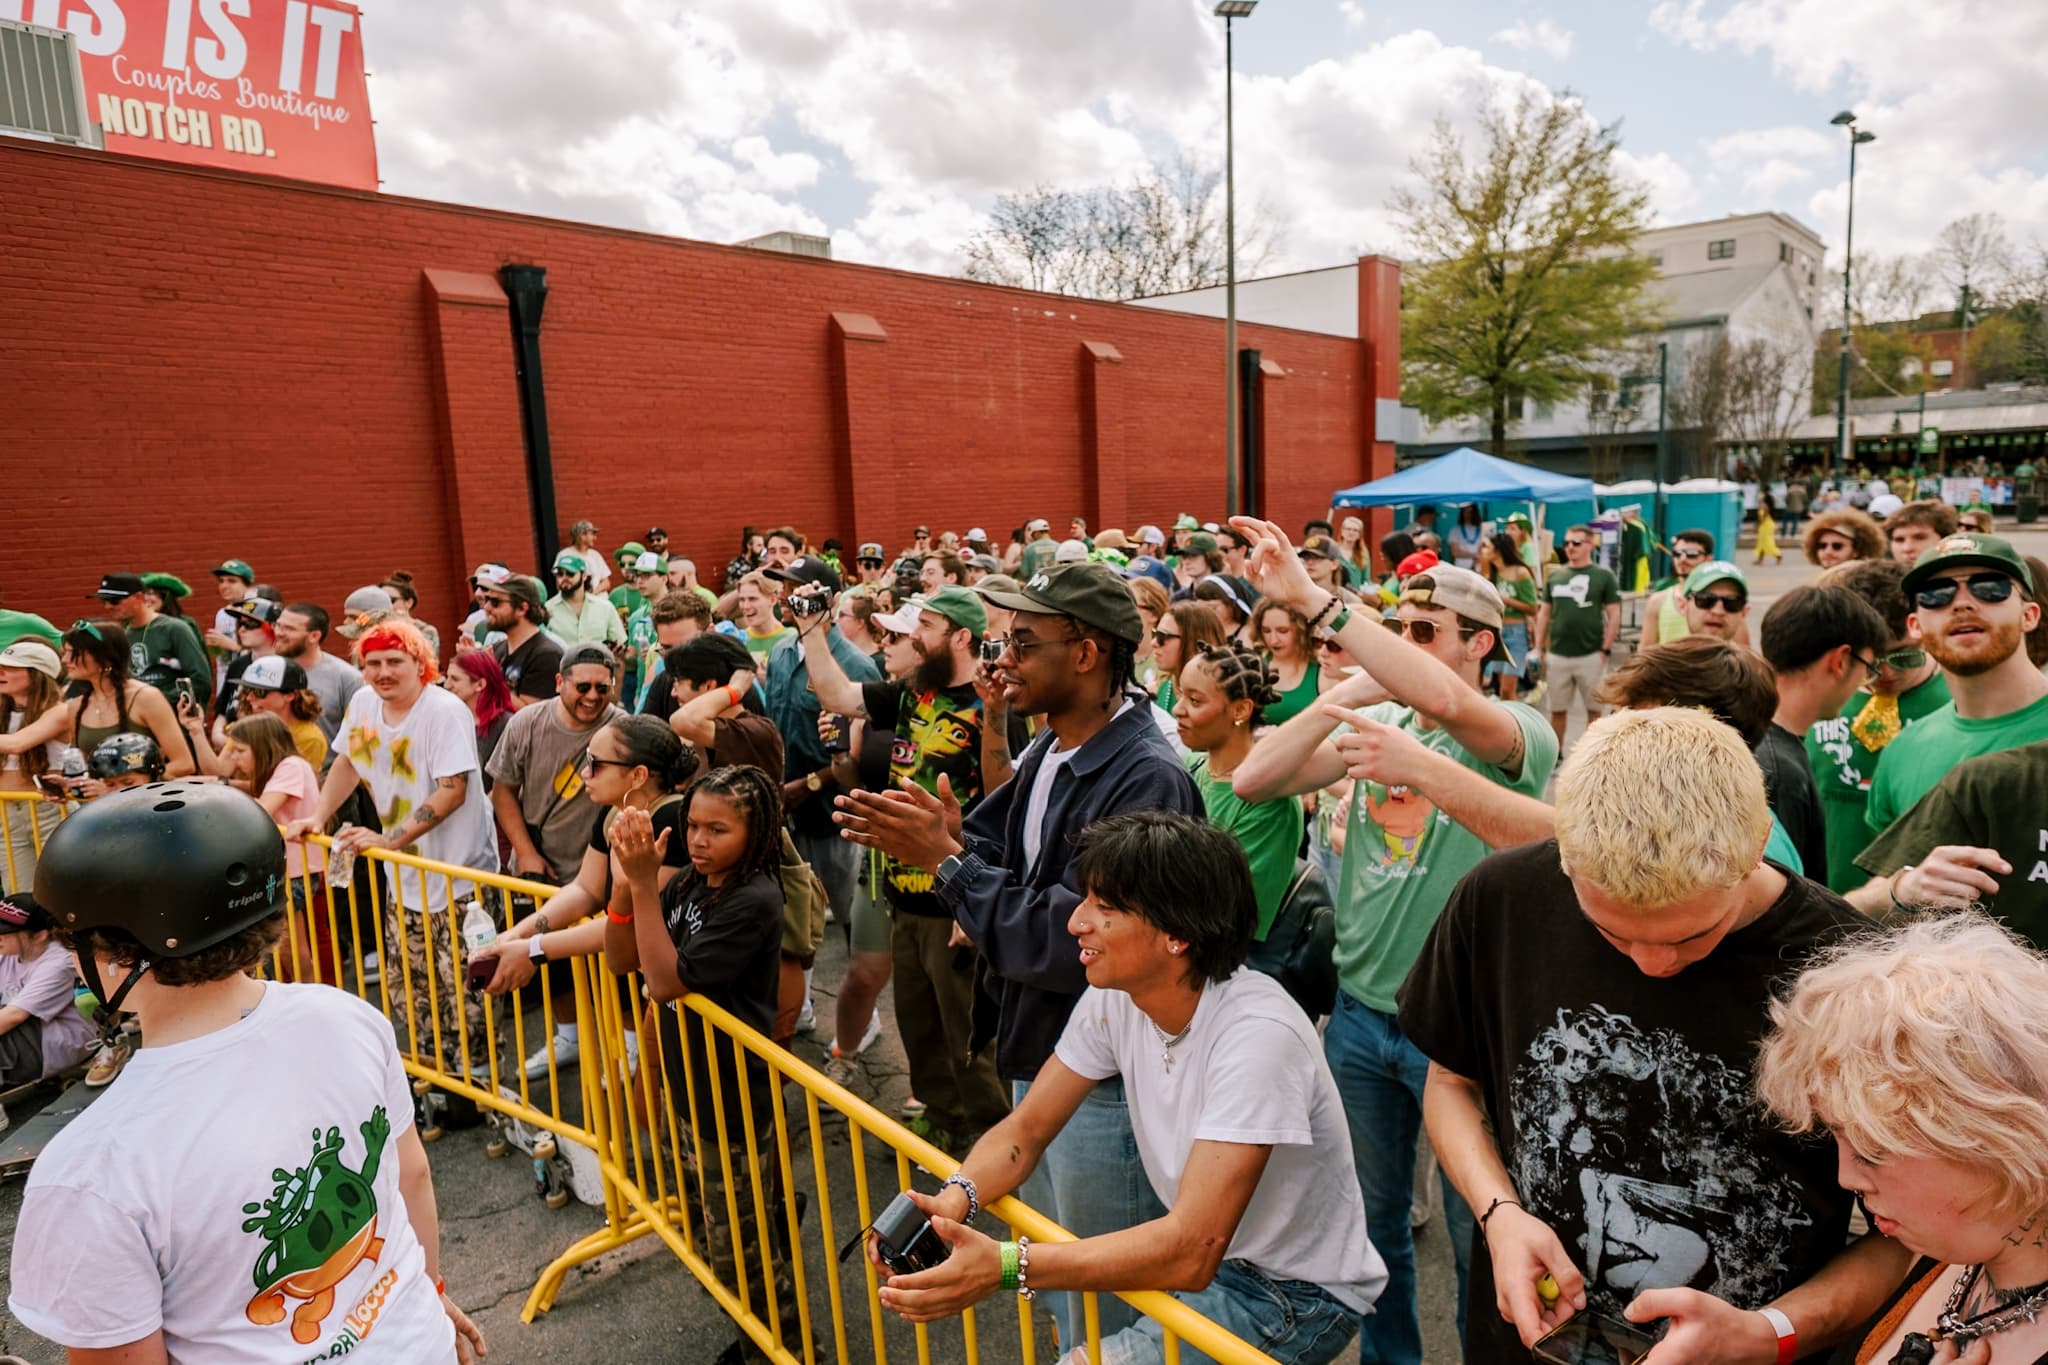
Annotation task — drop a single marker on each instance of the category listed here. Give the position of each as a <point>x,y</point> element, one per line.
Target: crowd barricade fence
<point>624,1109</point>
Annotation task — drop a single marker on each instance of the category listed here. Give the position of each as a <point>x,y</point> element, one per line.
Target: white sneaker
<point>808,1020</point>
<point>565,1050</point>
<point>867,1037</point>
<point>373,971</point>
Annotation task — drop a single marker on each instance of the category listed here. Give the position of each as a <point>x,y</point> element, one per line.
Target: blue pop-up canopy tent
<point>1466,475</point>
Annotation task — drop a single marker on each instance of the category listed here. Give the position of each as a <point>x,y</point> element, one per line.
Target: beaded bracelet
<point>966,1183</point>
<point>1008,1251</point>
<point>1024,1290</point>
<point>1328,607</point>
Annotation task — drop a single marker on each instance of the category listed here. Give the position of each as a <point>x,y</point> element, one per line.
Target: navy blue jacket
<point>1019,922</point>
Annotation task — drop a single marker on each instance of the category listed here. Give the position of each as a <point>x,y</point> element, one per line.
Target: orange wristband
<point>615,917</point>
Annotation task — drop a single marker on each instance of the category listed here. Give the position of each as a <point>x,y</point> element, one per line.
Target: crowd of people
<point>1208,870</point>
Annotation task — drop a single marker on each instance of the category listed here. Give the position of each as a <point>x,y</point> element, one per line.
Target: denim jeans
<point>837,864</point>
<point>1294,1322</point>
<point>1380,1074</point>
<point>1090,1181</point>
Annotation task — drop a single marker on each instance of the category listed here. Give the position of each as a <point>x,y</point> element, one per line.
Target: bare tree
<point>1696,407</point>
<point>1972,258</point>
<point>1767,383</point>
<point>1890,288</point>
<point>1159,233</point>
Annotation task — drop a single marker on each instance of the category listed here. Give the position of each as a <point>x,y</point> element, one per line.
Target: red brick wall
<point>202,364</point>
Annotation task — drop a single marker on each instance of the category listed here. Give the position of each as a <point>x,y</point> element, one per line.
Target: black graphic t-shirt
<point>531,669</point>
<point>935,732</point>
<point>1624,1103</point>
<point>728,948</point>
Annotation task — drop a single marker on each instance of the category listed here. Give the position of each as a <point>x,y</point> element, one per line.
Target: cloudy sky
<point>891,124</point>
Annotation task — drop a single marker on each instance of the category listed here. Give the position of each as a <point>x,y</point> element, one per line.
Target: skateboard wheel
<point>544,1147</point>
<point>557,1199</point>
<point>430,1132</point>
<point>497,1147</point>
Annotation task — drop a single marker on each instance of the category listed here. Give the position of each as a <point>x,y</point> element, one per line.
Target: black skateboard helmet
<point>178,866</point>
<point>127,754</point>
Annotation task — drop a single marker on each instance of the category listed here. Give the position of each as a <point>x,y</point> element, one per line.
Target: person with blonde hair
<point>1600,996</point>
<point>1923,1052</point>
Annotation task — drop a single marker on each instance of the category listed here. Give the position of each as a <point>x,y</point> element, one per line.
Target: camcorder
<point>993,649</point>
<point>904,1240</point>
<point>814,600</point>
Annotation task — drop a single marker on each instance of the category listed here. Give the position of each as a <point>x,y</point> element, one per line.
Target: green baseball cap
<point>1186,522</point>
<point>572,560</point>
<point>1520,519</point>
<point>169,584</point>
<point>1714,571</point>
<point>959,605</point>
<point>628,552</point>
<point>1968,550</point>
<point>234,568</point>
<point>1093,594</point>
<point>1202,543</point>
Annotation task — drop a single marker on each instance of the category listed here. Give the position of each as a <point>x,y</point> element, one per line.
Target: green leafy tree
<point>1526,279</point>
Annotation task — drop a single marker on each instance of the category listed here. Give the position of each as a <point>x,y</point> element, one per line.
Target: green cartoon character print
<point>319,1224</point>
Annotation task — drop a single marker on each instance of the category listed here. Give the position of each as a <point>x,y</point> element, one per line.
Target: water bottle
<point>341,862</point>
<point>477,927</point>
<point>70,763</point>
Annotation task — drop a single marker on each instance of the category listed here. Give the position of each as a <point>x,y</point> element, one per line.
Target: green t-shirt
<point>1269,831</point>
<point>1037,555</point>
<point>1578,600</point>
<point>1841,770</point>
<point>166,650</point>
<point>643,654</point>
<point>761,646</point>
<point>1402,856</point>
<point>18,625</point>
<point>1519,590</point>
<point>1911,764</point>
<point>627,600</point>
<point>1779,848</point>
<point>1998,801</point>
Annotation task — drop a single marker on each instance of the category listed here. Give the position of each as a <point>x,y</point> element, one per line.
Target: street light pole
<point>1230,11</point>
<point>1663,461</point>
<point>1846,120</point>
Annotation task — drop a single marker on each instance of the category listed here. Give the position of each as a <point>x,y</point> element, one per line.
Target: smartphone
<point>185,690</point>
<point>481,970</point>
<point>836,733</point>
<point>54,785</point>
<point>1594,1339</point>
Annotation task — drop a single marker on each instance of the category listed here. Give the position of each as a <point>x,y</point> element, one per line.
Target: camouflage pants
<point>424,998</point>
<point>720,1236</point>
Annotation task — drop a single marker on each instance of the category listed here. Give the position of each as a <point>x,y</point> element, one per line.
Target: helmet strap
<point>109,1023</point>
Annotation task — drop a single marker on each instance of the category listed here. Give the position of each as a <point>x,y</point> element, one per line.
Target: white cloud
<point>1953,92</point>
<point>1540,36</point>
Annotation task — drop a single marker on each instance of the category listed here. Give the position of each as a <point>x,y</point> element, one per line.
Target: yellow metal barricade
<point>697,1146</point>
<point>26,819</point>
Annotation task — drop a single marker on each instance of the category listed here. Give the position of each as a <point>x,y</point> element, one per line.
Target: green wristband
<point>1009,1255</point>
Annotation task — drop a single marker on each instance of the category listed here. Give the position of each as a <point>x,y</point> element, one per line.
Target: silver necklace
<point>1166,1044</point>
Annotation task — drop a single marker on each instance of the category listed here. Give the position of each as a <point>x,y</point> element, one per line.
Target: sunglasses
<point>1903,660</point>
<point>1020,648</point>
<point>1160,637</point>
<point>591,763</point>
<point>1988,588</point>
<point>1688,554</point>
<point>1337,646</point>
<point>1576,544</point>
<point>1424,632</point>
<point>89,627</point>
<point>584,689</point>
<point>1730,601</point>
<point>491,599</point>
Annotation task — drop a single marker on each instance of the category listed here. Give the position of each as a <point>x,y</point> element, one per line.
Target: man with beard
<point>1974,603</point>
<point>300,631</point>
<point>936,716</point>
<point>537,794</point>
<point>163,651</point>
<point>577,613</point>
<point>530,656</point>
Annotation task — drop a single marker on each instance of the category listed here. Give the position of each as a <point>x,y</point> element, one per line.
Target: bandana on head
<point>397,635</point>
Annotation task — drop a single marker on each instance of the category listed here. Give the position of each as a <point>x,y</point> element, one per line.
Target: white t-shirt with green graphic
<point>160,1207</point>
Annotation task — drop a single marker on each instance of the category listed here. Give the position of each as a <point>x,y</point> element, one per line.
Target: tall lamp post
<point>1230,11</point>
<point>1857,136</point>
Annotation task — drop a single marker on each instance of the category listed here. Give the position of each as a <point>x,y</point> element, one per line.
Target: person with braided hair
<point>1224,692</point>
<point>718,934</point>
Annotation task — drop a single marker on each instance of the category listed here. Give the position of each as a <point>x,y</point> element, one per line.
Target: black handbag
<point>1300,949</point>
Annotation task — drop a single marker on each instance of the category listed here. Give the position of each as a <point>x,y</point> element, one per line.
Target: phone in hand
<point>835,732</point>
<point>185,691</point>
<point>55,786</point>
<point>1594,1339</point>
<point>481,970</point>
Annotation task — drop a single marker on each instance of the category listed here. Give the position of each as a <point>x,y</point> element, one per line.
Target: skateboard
<point>20,1146</point>
<point>561,1168</point>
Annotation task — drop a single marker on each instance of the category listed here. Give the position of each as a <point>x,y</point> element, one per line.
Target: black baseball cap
<point>805,570</point>
<point>654,531</point>
<point>19,914</point>
<point>115,586</point>
<point>1092,593</point>
<point>256,611</point>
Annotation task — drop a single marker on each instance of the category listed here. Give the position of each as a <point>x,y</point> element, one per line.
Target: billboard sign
<point>274,86</point>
